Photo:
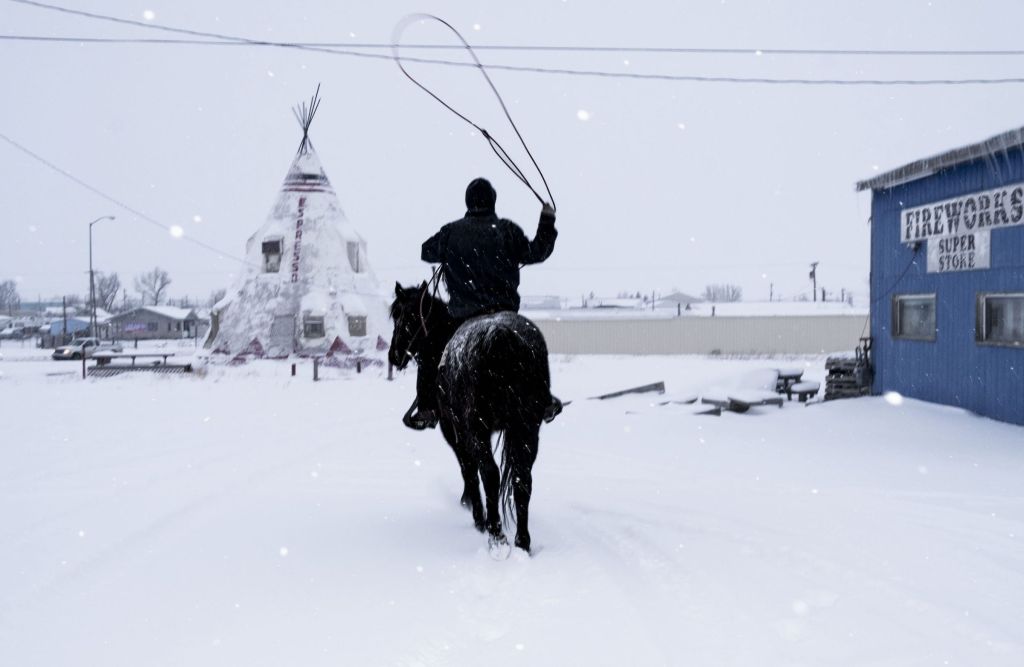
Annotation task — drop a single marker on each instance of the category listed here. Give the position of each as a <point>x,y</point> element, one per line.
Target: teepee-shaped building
<point>308,287</point>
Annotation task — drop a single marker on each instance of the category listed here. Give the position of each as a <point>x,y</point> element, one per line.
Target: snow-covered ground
<point>251,518</point>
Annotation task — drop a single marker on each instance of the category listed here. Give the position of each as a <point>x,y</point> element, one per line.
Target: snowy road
<point>249,518</point>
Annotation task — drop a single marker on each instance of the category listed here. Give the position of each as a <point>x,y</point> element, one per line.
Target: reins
<point>495,145</point>
<point>435,278</point>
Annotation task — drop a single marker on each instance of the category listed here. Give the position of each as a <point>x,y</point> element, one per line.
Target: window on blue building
<point>913,316</point>
<point>1000,319</point>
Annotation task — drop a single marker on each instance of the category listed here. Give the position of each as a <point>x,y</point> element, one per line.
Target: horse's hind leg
<point>470,479</point>
<point>471,493</point>
<point>523,442</point>
<point>491,478</point>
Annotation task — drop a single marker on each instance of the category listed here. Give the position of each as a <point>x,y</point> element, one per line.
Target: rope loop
<point>499,150</point>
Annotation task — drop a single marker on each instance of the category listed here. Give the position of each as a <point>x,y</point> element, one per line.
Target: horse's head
<point>410,329</point>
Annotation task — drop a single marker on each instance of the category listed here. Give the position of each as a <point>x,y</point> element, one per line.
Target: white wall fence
<point>788,334</point>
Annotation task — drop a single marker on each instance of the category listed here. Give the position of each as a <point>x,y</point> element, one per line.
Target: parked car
<point>15,333</point>
<point>84,347</point>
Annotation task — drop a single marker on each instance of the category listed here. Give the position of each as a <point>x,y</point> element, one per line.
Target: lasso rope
<point>498,149</point>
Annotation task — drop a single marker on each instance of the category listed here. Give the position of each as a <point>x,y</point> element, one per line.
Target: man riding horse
<point>480,255</point>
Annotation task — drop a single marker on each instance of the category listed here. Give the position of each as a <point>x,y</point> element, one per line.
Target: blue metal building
<point>947,278</point>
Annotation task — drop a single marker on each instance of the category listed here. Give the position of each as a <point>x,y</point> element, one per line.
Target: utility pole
<point>771,292</point>
<point>92,282</point>
<point>814,280</point>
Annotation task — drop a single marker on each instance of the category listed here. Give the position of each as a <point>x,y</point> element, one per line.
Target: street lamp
<point>92,283</point>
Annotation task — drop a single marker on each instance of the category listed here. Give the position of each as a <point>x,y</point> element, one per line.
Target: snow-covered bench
<point>803,390</point>
<point>104,358</point>
<point>104,367</point>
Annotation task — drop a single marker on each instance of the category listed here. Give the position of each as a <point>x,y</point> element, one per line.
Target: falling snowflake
<point>177,231</point>
<point>149,15</point>
<point>583,115</point>
<point>893,398</point>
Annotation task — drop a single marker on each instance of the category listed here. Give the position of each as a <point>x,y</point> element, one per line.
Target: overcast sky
<point>659,184</point>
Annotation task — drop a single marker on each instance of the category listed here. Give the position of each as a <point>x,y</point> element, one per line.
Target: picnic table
<point>790,383</point>
<point>787,378</point>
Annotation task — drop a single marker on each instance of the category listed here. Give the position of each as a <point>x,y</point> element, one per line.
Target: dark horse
<point>493,377</point>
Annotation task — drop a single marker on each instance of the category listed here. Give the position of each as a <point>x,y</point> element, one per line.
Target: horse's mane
<point>416,294</point>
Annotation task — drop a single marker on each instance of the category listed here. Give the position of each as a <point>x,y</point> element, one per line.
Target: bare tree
<point>107,287</point>
<point>152,286</point>
<point>127,302</point>
<point>215,297</point>
<point>9,299</point>
<point>722,293</point>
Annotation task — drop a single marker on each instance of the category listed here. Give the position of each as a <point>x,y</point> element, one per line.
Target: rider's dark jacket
<point>481,255</point>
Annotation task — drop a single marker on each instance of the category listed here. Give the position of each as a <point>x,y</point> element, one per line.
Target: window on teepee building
<point>272,255</point>
<point>357,325</point>
<point>354,258</point>
<point>313,326</point>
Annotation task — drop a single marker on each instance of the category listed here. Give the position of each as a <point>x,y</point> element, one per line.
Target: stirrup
<point>553,410</point>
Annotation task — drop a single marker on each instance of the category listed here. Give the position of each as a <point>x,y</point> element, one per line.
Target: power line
<point>544,48</point>
<point>520,68</point>
<point>112,200</point>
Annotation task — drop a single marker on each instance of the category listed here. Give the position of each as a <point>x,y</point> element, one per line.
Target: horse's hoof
<point>523,543</point>
<point>480,526</point>
<point>498,547</point>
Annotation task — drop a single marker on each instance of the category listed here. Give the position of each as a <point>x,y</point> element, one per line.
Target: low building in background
<point>151,322</point>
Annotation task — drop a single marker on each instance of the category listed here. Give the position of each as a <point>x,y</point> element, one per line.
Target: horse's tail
<point>505,485</point>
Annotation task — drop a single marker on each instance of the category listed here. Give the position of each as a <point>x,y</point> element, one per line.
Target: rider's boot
<point>419,419</point>
<point>553,410</point>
